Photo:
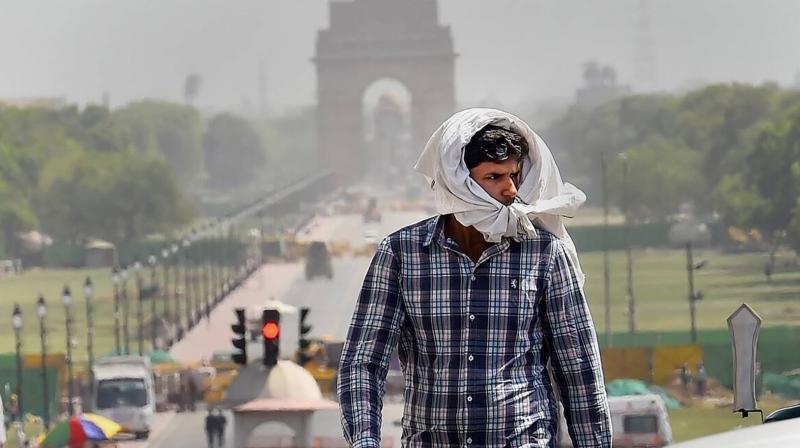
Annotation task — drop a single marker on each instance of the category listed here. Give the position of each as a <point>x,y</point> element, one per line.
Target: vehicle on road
<point>125,392</point>
<point>318,261</point>
<point>637,421</point>
<point>371,212</point>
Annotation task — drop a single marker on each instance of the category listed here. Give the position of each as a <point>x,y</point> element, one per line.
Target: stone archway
<point>373,39</point>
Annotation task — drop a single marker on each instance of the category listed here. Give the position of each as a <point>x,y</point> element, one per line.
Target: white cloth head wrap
<point>542,197</point>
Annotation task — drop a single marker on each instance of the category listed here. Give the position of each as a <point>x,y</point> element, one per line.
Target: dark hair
<point>494,144</point>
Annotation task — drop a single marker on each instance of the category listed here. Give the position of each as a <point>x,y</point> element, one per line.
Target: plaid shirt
<point>474,340</point>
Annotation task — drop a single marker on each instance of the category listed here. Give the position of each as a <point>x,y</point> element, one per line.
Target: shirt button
<point>471,358</point>
<point>469,440</point>
<point>471,317</point>
<point>469,398</point>
<point>472,278</point>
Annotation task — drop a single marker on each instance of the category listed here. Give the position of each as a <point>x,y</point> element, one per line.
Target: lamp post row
<point>203,288</point>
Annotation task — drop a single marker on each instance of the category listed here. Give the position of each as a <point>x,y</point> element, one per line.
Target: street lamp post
<point>115,283</point>
<point>606,262</point>
<point>690,232</point>
<point>137,269</point>
<point>125,310</point>
<point>176,281</point>
<point>628,254</point>
<point>41,311</point>
<point>220,265</point>
<point>88,291</point>
<point>67,299</point>
<point>16,320</point>
<point>151,260</point>
<point>165,290</point>
<point>187,285</point>
<point>207,279</point>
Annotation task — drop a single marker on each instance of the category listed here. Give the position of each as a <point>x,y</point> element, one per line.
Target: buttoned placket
<point>470,268</point>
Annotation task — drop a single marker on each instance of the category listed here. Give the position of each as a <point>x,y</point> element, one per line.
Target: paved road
<point>331,302</point>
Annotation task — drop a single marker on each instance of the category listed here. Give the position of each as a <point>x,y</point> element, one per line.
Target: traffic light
<point>240,341</point>
<point>303,342</point>
<point>271,333</point>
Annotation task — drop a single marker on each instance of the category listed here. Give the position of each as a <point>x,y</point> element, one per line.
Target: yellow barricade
<point>655,365</point>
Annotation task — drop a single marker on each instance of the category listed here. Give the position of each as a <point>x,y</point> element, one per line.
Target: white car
<point>782,434</point>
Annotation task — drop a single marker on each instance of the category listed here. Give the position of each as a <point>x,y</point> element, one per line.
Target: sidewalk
<point>214,334</point>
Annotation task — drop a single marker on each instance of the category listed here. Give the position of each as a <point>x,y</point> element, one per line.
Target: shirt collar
<point>435,228</point>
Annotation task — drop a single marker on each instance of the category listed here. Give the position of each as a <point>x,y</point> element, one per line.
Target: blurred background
<point>190,158</point>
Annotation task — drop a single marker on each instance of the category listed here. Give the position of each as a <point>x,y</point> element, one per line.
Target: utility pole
<point>606,265</point>
<point>628,254</point>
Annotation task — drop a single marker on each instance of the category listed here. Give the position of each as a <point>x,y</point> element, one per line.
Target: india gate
<point>370,40</point>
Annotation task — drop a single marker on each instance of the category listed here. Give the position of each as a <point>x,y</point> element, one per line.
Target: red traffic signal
<point>271,330</point>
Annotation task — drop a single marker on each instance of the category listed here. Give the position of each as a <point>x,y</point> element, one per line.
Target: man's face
<point>500,180</point>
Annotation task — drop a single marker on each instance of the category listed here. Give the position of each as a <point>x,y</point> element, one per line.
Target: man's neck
<point>469,239</point>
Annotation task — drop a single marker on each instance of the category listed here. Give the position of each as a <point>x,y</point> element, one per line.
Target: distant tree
<point>793,232</point>
<point>234,152</point>
<point>118,197</point>
<point>173,132</point>
<point>661,175</point>
<point>763,191</point>
<point>15,216</point>
<point>715,119</point>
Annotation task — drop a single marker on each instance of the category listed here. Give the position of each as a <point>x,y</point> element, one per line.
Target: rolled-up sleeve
<point>371,339</point>
<point>575,355</point>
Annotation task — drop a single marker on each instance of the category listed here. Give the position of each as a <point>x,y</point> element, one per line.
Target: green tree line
<point>122,174</point>
<point>728,149</point>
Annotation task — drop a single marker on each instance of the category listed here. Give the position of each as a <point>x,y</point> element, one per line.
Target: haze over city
<point>510,51</point>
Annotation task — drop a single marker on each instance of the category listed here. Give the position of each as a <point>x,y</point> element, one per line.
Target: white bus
<point>124,392</point>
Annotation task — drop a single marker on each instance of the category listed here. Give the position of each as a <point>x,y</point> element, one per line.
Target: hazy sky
<point>510,50</point>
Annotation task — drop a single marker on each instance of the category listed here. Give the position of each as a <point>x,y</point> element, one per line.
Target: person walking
<point>700,379</point>
<point>221,421</point>
<point>479,299</point>
<point>210,427</point>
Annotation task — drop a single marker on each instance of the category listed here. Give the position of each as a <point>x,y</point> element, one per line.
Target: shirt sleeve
<point>371,339</point>
<point>575,355</point>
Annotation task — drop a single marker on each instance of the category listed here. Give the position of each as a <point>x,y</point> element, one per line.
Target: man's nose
<point>510,189</point>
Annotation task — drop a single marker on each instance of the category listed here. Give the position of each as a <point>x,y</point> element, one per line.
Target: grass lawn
<point>50,282</point>
<point>661,289</point>
<point>698,421</point>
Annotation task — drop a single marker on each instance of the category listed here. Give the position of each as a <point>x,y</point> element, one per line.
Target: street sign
<point>744,325</point>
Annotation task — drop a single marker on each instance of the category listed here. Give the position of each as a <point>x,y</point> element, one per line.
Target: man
<point>221,421</point>
<point>480,299</point>
<point>211,427</point>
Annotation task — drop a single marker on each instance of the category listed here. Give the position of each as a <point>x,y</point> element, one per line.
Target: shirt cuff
<point>366,443</point>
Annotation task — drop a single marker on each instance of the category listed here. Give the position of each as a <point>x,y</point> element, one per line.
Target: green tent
<point>161,357</point>
<point>619,388</point>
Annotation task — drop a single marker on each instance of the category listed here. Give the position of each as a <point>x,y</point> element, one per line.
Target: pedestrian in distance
<point>701,379</point>
<point>686,378</point>
<point>192,392</point>
<point>210,427</point>
<point>221,421</point>
<point>479,299</point>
